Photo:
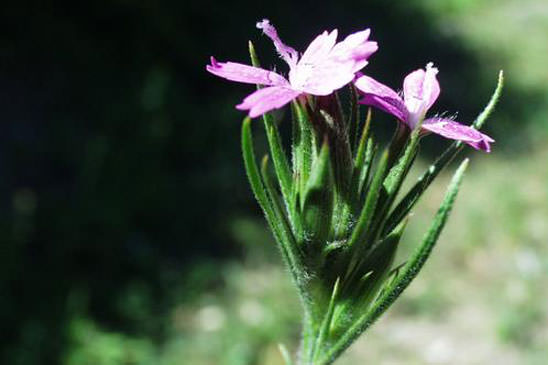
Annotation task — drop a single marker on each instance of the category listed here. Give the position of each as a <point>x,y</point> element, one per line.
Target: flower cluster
<point>334,203</point>
<point>326,66</point>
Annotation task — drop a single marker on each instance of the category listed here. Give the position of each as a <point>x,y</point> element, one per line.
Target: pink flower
<point>420,91</point>
<point>325,66</point>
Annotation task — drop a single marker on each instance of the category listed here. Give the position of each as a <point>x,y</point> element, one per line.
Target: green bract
<point>334,213</point>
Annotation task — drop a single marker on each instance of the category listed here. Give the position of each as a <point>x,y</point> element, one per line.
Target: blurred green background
<point>129,234</point>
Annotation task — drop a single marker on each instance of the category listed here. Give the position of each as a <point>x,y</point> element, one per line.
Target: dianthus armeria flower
<point>324,67</point>
<point>420,91</point>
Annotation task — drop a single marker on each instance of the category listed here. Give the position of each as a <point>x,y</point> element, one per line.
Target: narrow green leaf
<point>342,155</point>
<point>318,199</point>
<point>308,336</point>
<point>482,117</point>
<point>397,173</point>
<point>252,171</point>
<point>362,160</point>
<point>303,147</point>
<point>412,197</point>
<point>253,55</point>
<point>409,272</point>
<point>276,203</point>
<point>399,141</point>
<point>326,323</point>
<point>360,152</point>
<point>281,233</point>
<point>281,165</point>
<point>390,280</point>
<point>378,262</point>
<point>370,152</point>
<point>279,157</point>
<point>354,116</point>
<point>393,181</point>
<point>293,251</point>
<point>370,203</point>
<point>338,113</point>
<point>402,151</point>
<point>358,242</point>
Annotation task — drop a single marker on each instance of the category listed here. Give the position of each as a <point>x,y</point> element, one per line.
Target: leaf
<point>366,215</point>
<point>486,112</point>
<point>393,181</point>
<point>378,261</point>
<point>279,228</point>
<point>412,197</point>
<point>341,155</point>
<point>402,151</point>
<point>293,251</point>
<point>281,165</point>
<point>276,203</point>
<point>253,55</point>
<point>397,173</point>
<point>326,322</point>
<point>360,153</point>
<point>408,273</point>
<point>279,157</point>
<point>303,147</point>
<point>370,152</point>
<point>354,116</point>
<point>254,178</point>
<point>362,160</point>
<point>318,198</point>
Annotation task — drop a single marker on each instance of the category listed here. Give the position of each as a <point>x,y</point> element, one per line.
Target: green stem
<point>307,341</point>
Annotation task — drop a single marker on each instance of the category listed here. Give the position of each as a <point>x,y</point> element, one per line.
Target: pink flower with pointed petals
<point>324,67</point>
<point>420,91</point>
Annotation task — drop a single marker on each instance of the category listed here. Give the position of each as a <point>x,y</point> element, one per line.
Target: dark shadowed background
<point>129,234</point>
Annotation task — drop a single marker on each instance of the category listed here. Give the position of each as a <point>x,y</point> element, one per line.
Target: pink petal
<point>319,49</point>
<point>367,50</point>
<point>304,75</point>
<point>420,91</point>
<point>381,96</point>
<point>355,47</point>
<point>267,99</point>
<point>327,66</point>
<point>482,145</point>
<point>287,53</point>
<point>321,79</point>
<point>243,73</point>
<point>453,130</point>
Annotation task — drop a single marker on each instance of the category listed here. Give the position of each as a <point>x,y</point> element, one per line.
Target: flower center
<point>300,74</point>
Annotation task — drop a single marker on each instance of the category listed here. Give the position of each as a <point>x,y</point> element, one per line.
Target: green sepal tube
<point>317,200</point>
